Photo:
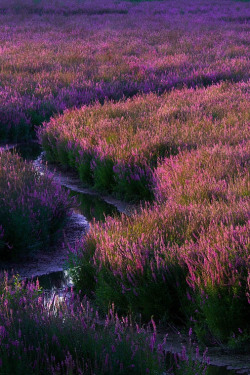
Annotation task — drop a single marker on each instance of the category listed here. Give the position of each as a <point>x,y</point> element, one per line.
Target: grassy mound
<point>186,256</point>
<point>116,147</point>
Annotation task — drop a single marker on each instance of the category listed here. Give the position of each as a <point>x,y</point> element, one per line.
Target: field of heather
<point>56,57</point>
<point>140,107</point>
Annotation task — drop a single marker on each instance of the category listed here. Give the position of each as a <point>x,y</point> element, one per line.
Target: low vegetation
<point>58,55</point>
<point>185,256</point>
<point>116,146</point>
<point>147,101</point>
<point>32,207</point>
<point>42,335</point>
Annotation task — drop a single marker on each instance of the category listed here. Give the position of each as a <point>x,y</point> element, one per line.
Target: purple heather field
<point>146,102</point>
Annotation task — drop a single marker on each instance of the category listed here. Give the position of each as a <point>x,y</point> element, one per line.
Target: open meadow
<point>144,103</point>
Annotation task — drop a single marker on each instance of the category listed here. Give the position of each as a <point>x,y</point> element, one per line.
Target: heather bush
<point>116,146</point>
<point>187,255</point>
<point>65,335</point>
<point>32,207</point>
<point>144,263</point>
<point>137,262</point>
<point>218,271</point>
